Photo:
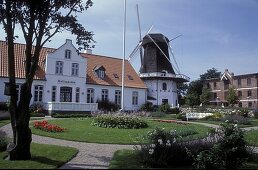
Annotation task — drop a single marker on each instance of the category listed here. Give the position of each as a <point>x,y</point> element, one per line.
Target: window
<point>240,104</point>
<point>130,77</point>
<point>90,95</point>
<point>68,54</point>
<point>118,97</point>
<point>116,76</point>
<point>101,74</point>
<point>135,98</point>
<point>215,85</point>
<point>164,101</point>
<point>38,93</point>
<point>226,85</point>
<point>215,96</point>
<point>75,69</point>
<point>250,104</point>
<point>53,93</point>
<point>104,94</point>
<point>239,94</point>
<point>249,93</point>
<point>77,95</point>
<point>65,94</point>
<point>59,67</point>
<point>249,82</point>
<point>239,82</point>
<point>164,86</point>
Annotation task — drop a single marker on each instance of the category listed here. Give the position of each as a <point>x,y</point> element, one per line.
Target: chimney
<point>88,51</point>
<point>68,41</point>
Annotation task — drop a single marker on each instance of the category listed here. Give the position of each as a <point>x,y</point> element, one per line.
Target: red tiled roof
<point>20,61</point>
<point>112,66</point>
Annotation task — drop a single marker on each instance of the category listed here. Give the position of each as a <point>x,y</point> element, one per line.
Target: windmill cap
<point>158,38</point>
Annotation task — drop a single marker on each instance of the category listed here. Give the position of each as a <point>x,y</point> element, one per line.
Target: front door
<point>65,94</point>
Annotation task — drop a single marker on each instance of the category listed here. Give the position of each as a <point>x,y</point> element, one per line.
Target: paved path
<point>90,155</point>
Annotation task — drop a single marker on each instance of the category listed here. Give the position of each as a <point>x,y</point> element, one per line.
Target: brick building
<point>245,85</point>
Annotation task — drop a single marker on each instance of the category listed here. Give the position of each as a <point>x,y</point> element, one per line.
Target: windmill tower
<point>157,71</point>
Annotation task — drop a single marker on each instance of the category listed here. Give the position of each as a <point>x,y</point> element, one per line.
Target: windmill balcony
<point>176,77</point>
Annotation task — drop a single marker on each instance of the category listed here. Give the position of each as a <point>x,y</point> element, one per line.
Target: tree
<point>181,91</point>
<point>211,73</point>
<point>232,97</point>
<point>205,96</point>
<point>194,89</point>
<point>192,99</point>
<point>39,21</point>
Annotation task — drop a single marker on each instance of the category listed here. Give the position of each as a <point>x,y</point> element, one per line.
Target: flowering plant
<point>45,126</point>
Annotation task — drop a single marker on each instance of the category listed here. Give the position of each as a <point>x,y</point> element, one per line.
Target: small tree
<point>232,97</point>
<point>205,96</point>
<point>192,99</point>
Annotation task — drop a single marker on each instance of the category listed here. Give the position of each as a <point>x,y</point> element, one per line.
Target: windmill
<point>159,73</point>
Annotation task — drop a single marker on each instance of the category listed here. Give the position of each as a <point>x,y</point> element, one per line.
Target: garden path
<point>90,155</point>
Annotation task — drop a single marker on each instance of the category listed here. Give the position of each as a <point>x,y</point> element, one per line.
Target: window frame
<point>90,95</point>
<point>135,97</point>
<point>75,69</point>
<point>104,94</point>
<point>59,67</point>
<point>38,93</point>
<point>118,97</point>
<point>68,54</point>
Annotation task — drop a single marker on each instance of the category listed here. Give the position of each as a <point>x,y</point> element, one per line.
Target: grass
<point>80,129</point>
<point>252,137</point>
<point>130,159</point>
<point>4,122</point>
<point>43,157</point>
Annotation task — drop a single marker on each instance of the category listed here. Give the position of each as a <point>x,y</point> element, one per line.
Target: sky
<point>217,33</point>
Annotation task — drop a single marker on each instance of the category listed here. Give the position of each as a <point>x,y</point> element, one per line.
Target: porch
<point>71,106</point>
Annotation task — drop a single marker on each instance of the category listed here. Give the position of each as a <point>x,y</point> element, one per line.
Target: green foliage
<point>229,153</point>
<point>192,99</point>
<point>256,113</point>
<point>237,119</point>
<point>148,106</point>
<point>73,115</point>
<point>167,149</point>
<point>205,96</point>
<point>121,122</point>
<point>232,97</point>
<point>107,106</point>
<point>165,108</point>
<point>214,117</point>
<point>211,73</point>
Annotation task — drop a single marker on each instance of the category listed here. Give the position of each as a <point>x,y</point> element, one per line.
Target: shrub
<point>164,108</point>
<point>167,150</point>
<point>45,126</point>
<point>157,114</point>
<point>215,117</point>
<point>121,122</point>
<point>107,105</point>
<point>229,153</point>
<point>148,106</point>
<point>256,113</point>
<point>236,119</point>
<point>73,115</point>
<point>37,114</point>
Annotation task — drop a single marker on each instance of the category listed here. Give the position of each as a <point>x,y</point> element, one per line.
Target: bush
<point>236,119</point>
<point>167,150</point>
<point>37,114</point>
<point>229,153</point>
<point>107,106</point>
<point>256,114</point>
<point>73,115</point>
<point>215,117</point>
<point>165,108</point>
<point>148,106</point>
<point>121,122</point>
<point>157,114</point>
<point>181,116</point>
<point>3,106</point>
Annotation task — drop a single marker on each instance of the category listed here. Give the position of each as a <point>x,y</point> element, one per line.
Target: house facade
<point>246,87</point>
<point>67,80</point>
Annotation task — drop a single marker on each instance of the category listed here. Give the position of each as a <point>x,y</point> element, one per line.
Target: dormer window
<point>67,54</point>
<point>100,71</point>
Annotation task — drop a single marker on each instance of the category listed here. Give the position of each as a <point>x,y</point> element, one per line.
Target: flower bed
<point>43,125</point>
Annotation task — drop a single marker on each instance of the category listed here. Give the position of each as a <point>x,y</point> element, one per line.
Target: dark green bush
<point>66,115</point>
<point>37,114</point>
<point>238,119</point>
<point>229,153</point>
<point>3,141</point>
<point>121,122</point>
<point>107,106</point>
<point>157,114</point>
<point>164,108</point>
<point>215,117</point>
<point>148,106</point>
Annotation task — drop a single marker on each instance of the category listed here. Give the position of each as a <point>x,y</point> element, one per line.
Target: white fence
<point>70,106</point>
<point>197,115</point>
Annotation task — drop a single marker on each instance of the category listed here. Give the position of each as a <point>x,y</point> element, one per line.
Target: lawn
<point>43,157</point>
<point>80,129</point>
<point>4,122</point>
<point>252,137</point>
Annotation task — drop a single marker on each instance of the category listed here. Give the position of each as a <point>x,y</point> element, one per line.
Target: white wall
<point>4,98</point>
<point>155,90</point>
<point>127,95</point>
<point>66,79</point>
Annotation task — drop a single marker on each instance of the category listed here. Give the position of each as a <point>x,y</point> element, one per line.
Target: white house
<point>67,80</point>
